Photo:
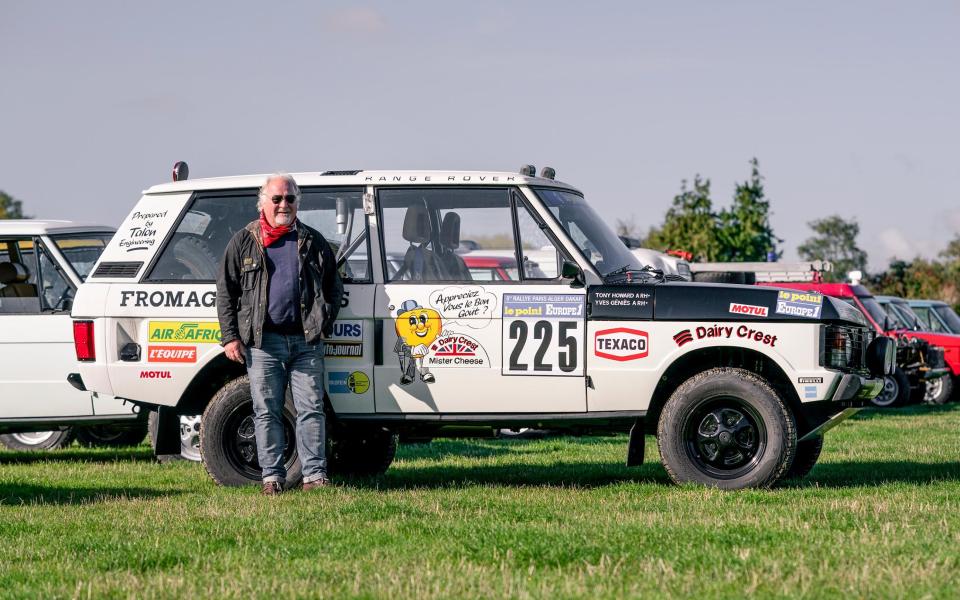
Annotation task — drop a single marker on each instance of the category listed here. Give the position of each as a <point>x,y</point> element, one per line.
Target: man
<point>278,295</point>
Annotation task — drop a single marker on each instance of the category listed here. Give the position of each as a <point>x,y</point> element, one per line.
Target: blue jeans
<point>280,360</point>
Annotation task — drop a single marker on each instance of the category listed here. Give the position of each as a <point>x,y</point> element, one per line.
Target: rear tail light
<point>83,341</point>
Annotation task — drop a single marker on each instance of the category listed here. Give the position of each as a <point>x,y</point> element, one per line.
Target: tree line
<point>742,233</point>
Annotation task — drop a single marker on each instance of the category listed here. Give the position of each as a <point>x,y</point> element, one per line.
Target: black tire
<point>189,438</point>
<point>111,436</point>
<point>38,440</point>
<point>896,390</point>
<point>939,391</point>
<point>228,448</point>
<point>808,451</point>
<point>726,428</point>
<point>359,452</point>
<point>195,255</point>
<point>719,277</point>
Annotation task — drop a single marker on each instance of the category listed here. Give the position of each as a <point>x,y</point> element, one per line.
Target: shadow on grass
<point>557,475</point>
<point>79,455</point>
<point>875,473</point>
<point>442,449</point>
<point>17,494</point>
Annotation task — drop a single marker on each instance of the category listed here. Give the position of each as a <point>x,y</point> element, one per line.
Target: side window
<point>18,277</point>
<point>928,320</point>
<point>82,251</point>
<point>435,234</point>
<point>194,251</point>
<point>56,293</point>
<point>541,260</point>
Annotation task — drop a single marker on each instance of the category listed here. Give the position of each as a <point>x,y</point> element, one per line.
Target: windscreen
<point>949,317</point>
<point>598,243</point>
<point>874,309</point>
<point>82,251</point>
<point>907,315</point>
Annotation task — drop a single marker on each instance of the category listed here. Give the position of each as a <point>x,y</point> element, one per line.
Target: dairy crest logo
<point>621,344</point>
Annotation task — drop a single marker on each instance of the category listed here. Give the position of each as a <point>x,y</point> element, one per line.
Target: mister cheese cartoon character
<point>417,328</point>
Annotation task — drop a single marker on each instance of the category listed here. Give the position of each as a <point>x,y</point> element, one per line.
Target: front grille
<point>118,269</point>
<point>845,348</point>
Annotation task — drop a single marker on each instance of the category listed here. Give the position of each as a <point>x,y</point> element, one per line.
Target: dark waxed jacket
<point>242,286</point>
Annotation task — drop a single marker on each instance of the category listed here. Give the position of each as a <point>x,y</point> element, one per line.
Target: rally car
<point>738,383</point>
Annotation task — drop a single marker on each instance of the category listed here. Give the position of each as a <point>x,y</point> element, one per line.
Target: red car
<point>919,361</point>
<point>908,322</point>
<point>498,268</point>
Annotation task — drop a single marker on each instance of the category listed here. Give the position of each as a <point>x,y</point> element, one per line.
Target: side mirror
<point>571,270</point>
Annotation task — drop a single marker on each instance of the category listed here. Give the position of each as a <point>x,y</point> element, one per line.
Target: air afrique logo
<point>179,332</point>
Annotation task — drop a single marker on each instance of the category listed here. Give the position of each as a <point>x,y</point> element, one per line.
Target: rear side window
<point>19,293</point>
<point>195,250</point>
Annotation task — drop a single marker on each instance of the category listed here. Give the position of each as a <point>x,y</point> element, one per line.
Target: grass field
<point>878,517</point>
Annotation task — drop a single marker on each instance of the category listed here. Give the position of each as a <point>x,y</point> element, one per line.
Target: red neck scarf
<point>270,233</point>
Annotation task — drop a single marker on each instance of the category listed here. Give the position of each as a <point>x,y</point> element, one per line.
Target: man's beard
<point>283,218</point>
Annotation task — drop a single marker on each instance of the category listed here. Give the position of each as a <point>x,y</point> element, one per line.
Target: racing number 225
<point>564,350</point>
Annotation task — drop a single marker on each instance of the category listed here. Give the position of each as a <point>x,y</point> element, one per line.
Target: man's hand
<point>235,351</point>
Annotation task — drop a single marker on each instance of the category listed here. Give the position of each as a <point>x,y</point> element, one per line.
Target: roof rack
<point>771,271</point>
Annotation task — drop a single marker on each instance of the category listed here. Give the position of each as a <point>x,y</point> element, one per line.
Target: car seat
<point>451,263</point>
<point>13,278</point>
<point>419,263</point>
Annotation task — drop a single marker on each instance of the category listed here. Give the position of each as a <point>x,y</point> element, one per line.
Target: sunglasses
<point>290,198</point>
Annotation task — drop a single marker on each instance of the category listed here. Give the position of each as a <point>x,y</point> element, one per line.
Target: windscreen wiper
<point>627,273</point>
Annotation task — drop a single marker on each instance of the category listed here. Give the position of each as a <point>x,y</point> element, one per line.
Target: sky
<point>850,107</point>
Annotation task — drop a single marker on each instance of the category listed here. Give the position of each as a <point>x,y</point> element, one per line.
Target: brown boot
<point>316,483</point>
<point>271,488</point>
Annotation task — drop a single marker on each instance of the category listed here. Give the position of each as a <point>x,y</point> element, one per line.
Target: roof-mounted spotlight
<point>548,173</point>
<point>528,170</point>
<point>180,171</point>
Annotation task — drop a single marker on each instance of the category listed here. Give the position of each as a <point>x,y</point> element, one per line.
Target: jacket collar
<point>303,232</point>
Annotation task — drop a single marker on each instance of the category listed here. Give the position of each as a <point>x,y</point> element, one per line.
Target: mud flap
<point>635,447</point>
<point>166,436</point>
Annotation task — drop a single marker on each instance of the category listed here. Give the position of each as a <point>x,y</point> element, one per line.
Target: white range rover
<point>42,263</point>
<point>738,383</point>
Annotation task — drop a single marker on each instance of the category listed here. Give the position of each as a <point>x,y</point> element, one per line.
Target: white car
<point>738,383</point>
<point>42,263</point>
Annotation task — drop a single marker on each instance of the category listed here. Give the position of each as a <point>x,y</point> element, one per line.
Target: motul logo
<point>172,354</point>
<point>748,309</point>
<point>155,375</point>
<point>621,343</point>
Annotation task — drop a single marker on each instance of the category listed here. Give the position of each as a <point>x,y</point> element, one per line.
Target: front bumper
<point>852,387</point>
<point>937,373</point>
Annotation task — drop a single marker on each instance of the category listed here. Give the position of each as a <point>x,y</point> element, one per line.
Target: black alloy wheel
<point>228,446</point>
<point>726,428</point>
<point>725,437</point>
